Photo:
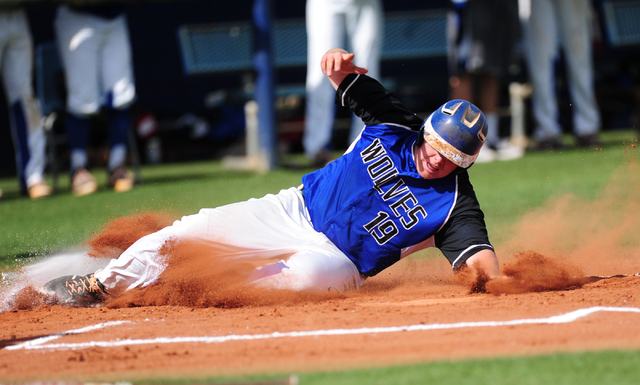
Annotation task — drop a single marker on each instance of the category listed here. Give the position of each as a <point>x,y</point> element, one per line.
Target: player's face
<point>432,165</point>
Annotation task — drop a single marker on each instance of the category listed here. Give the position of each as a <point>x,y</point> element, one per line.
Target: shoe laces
<point>83,285</point>
<point>82,176</point>
<point>118,173</point>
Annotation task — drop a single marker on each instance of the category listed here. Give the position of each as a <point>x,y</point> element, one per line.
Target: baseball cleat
<point>121,179</point>
<point>589,141</point>
<point>486,155</point>
<point>39,190</point>
<point>507,151</point>
<point>76,290</point>
<point>554,143</point>
<point>83,183</point>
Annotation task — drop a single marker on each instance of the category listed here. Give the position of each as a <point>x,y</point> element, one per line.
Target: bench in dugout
<point>227,48</point>
<point>219,48</point>
<point>224,48</point>
<point>622,22</point>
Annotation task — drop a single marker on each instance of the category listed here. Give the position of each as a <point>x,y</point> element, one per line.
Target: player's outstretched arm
<point>337,64</point>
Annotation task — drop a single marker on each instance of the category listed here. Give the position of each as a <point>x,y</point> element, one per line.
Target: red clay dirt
<point>199,296</point>
<point>414,293</point>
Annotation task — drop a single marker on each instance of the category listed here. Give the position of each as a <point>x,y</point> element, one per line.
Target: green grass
<point>34,228</point>
<point>587,368</point>
<point>584,369</point>
<point>506,190</point>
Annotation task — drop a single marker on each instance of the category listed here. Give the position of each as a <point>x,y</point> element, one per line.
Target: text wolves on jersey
<point>381,170</point>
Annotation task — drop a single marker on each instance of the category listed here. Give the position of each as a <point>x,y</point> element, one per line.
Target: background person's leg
<point>541,52</point>
<point>364,21</point>
<point>325,30</point>
<point>576,38</point>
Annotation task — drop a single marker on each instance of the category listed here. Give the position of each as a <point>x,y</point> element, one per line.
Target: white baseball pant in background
<point>96,54</point>
<point>328,22</point>
<point>566,22</point>
<point>16,59</point>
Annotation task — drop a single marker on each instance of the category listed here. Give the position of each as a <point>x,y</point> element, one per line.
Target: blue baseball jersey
<point>372,202</point>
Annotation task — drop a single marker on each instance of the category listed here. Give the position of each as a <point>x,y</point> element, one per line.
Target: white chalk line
<point>43,340</point>
<point>40,343</point>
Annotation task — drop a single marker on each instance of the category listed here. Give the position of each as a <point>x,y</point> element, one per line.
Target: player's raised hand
<point>339,60</point>
<point>337,64</point>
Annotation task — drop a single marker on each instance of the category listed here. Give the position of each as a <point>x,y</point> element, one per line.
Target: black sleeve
<point>465,233</point>
<point>373,103</point>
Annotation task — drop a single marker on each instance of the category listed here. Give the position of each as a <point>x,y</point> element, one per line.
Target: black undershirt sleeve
<point>465,233</point>
<point>373,103</point>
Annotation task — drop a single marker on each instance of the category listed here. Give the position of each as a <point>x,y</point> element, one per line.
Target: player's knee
<point>266,271</point>
<point>290,276</point>
<point>122,95</point>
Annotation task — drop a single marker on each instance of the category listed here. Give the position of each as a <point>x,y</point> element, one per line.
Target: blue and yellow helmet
<point>457,130</point>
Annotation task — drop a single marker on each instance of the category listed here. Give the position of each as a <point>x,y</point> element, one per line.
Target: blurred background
<point>194,73</point>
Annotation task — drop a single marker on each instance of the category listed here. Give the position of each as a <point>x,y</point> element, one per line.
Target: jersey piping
<point>467,250</point>
<point>347,89</point>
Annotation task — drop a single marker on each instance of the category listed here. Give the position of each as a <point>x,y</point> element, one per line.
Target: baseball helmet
<point>457,130</point>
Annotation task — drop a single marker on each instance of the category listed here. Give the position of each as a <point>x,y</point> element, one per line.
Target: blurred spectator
<point>96,55</point>
<point>565,22</point>
<point>635,118</point>
<point>16,62</point>
<point>327,23</point>
<point>482,36</point>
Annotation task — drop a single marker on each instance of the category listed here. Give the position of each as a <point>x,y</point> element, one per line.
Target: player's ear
<point>420,140</point>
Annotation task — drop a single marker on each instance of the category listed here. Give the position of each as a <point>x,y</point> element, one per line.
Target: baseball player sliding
<point>402,186</point>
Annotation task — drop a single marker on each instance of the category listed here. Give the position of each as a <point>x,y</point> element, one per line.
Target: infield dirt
<point>570,254</point>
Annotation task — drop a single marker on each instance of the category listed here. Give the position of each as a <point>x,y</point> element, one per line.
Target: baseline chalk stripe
<point>33,344</point>
<point>559,319</point>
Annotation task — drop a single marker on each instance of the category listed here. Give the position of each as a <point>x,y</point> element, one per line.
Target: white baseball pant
<point>270,227</point>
